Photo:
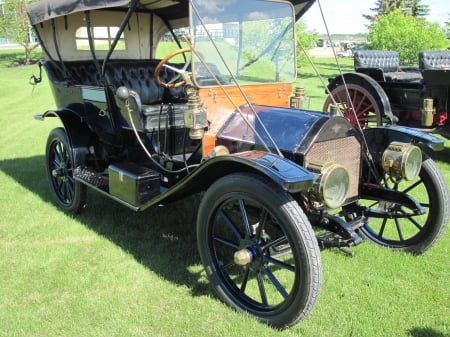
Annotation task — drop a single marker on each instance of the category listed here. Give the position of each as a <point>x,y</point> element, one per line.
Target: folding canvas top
<point>170,9</point>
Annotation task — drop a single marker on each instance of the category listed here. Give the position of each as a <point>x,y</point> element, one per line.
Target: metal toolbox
<point>133,183</point>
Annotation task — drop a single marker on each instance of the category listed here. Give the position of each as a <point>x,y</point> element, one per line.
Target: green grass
<point>113,272</point>
<point>327,68</point>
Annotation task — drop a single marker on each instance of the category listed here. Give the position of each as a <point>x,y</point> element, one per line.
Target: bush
<point>406,34</point>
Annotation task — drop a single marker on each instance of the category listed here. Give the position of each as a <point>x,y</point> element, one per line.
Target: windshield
<point>255,40</point>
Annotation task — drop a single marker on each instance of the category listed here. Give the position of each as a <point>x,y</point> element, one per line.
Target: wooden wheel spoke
<point>226,242</point>
<point>357,105</point>
<point>280,264</point>
<point>248,230</point>
<point>230,224</point>
<point>275,282</point>
<point>262,289</point>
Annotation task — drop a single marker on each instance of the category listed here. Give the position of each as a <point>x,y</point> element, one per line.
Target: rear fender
<point>368,83</point>
<point>78,133</point>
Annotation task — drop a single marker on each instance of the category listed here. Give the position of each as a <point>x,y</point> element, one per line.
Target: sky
<point>345,16</point>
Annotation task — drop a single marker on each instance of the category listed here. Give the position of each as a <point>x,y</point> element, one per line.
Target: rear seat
<point>434,59</point>
<point>135,75</point>
<point>77,72</point>
<point>138,76</point>
<point>383,66</point>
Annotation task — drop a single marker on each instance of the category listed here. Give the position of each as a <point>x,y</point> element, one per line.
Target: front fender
<point>390,133</point>
<point>290,176</point>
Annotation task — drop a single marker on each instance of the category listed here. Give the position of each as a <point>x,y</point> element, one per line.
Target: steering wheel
<point>173,83</point>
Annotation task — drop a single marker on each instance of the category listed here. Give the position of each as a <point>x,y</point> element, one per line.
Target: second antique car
<point>382,92</point>
<point>162,99</point>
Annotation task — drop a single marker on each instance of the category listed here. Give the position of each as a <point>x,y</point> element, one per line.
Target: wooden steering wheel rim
<point>164,61</point>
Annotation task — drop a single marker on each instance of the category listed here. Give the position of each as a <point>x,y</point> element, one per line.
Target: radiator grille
<point>343,151</point>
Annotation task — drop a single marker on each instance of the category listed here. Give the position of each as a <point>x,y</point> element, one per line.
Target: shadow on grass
<point>163,239</point>
<point>426,332</point>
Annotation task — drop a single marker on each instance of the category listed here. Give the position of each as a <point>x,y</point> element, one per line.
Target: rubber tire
<point>437,197</point>
<point>69,194</point>
<point>291,220</point>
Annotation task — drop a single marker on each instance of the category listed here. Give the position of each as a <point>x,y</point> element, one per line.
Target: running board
<point>100,183</point>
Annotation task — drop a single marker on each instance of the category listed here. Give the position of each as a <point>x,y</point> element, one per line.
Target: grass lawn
<point>113,272</point>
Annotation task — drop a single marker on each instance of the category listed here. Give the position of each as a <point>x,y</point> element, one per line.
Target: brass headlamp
<point>331,183</point>
<point>402,160</point>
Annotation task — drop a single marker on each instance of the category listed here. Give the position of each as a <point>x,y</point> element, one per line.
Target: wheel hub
<point>243,257</point>
<point>59,172</point>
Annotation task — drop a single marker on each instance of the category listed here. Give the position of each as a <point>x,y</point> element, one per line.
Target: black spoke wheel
<point>401,228</point>
<point>359,106</point>
<point>69,194</point>
<point>259,250</point>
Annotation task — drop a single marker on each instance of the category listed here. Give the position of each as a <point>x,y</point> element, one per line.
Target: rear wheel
<point>359,106</point>
<point>259,250</point>
<point>68,193</point>
<point>401,228</point>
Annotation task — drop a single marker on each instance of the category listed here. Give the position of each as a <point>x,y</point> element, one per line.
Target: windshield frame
<point>233,50</point>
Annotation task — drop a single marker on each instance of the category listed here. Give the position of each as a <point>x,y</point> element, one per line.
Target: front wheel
<point>69,194</point>
<point>259,250</point>
<point>402,229</point>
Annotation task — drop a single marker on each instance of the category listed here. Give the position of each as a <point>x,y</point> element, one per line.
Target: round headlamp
<point>402,160</point>
<point>331,184</point>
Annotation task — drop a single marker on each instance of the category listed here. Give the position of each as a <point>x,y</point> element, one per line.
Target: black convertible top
<point>170,9</point>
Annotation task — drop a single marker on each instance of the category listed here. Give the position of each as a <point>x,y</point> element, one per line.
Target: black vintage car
<point>278,183</point>
<point>382,92</point>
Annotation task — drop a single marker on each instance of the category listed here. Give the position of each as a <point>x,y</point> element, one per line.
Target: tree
<point>14,25</point>
<point>411,7</point>
<point>406,34</point>
<point>305,40</point>
<point>447,27</point>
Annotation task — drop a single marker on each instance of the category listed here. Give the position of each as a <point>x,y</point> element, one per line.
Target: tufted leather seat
<point>388,61</point>
<point>77,72</point>
<point>434,59</point>
<point>383,66</point>
<point>136,76</point>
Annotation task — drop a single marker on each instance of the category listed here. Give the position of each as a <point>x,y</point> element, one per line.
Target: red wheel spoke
<point>357,105</point>
<point>366,110</point>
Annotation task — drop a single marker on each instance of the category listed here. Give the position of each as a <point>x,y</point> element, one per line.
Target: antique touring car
<point>382,92</point>
<point>161,99</point>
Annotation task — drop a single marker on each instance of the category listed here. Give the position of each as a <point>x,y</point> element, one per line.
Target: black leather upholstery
<point>135,75</point>
<point>434,59</point>
<point>383,65</point>
<point>388,61</point>
<point>77,72</point>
